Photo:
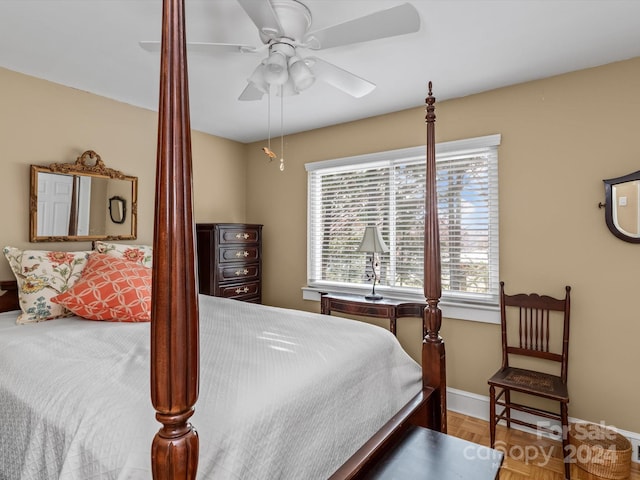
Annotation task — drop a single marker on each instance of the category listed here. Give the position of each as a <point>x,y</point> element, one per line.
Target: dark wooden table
<point>358,305</point>
<point>426,454</point>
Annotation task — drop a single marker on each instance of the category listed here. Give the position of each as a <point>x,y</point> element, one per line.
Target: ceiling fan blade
<point>337,77</point>
<point>150,46</point>
<point>251,93</point>
<point>203,47</point>
<point>394,21</point>
<point>261,13</point>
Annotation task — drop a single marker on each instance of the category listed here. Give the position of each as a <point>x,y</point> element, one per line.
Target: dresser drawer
<point>239,272</point>
<point>240,291</point>
<point>239,253</point>
<point>238,234</point>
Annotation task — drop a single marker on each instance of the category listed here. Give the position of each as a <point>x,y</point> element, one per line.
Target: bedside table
<point>358,305</point>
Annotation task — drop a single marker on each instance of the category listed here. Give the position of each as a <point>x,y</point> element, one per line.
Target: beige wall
<point>560,137</point>
<point>42,123</point>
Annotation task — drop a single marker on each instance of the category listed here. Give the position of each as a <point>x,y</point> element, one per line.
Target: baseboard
<point>477,406</point>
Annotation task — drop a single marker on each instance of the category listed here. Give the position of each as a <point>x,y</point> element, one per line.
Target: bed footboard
<point>416,412</point>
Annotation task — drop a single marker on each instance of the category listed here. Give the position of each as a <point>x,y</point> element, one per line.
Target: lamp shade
<point>300,73</point>
<point>257,79</point>
<point>372,241</point>
<point>276,72</point>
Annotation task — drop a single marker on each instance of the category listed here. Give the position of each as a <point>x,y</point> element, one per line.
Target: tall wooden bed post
<point>433,356</point>
<point>174,326</point>
<point>429,407</point>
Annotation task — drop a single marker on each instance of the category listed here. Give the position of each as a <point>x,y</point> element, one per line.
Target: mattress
<point>283,394</point>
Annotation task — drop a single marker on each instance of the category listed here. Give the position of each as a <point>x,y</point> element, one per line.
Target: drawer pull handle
<point>242,235</point>
<point>242,272</point>
<point>242,254</point>
<point>242,290</point>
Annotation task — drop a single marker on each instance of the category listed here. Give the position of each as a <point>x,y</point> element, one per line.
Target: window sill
<point>457,310</point>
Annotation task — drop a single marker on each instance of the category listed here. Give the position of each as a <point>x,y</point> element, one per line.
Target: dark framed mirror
<point>622,206</point>
<point>118,209</point>
<point>82,201</point>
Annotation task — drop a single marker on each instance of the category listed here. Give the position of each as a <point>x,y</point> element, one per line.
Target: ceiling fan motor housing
<point>295,20</point>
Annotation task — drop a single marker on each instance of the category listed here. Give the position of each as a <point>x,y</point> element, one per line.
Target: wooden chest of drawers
<point>230,260</point>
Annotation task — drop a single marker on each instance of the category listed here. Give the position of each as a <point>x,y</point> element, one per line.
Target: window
<point>387,189</point>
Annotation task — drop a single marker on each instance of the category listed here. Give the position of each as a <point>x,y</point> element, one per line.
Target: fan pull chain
<point>267,150</point>
<point>269,119</point>
<point>281,129</point>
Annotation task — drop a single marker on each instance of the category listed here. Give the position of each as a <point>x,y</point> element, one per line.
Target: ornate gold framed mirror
<point>622,206</point>
<point>82,201</point>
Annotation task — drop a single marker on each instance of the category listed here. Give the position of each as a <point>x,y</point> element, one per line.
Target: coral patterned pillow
<point>135,253</point>
<point>42,275</point>
<point>110,289</point>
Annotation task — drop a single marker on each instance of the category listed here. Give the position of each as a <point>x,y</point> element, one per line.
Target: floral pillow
<point>111,289</point>
<point>135,253</point>
<point>42,275</point>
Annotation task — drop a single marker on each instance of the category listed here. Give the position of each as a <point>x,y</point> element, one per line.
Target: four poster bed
<point>87,415</point>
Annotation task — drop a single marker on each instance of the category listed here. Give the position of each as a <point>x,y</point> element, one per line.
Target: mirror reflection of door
<point>63,204</point>
<point>54,203</point>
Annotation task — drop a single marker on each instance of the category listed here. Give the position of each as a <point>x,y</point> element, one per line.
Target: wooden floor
<point>527,456</point>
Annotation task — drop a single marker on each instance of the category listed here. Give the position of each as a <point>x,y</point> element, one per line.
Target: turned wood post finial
<point>430,108</point>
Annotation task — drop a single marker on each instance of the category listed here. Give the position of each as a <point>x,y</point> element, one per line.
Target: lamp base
<point>373,296</point>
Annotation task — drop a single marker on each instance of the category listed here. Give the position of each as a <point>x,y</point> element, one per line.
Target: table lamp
<point>373,243</point>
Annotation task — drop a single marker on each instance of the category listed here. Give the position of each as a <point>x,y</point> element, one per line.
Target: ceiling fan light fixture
<point>257,78</point>
<point>287,89</point>
<point>300,74</point>
<point>276,69</point>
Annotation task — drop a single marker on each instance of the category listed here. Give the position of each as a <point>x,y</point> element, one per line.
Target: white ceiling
<point>463,46</point>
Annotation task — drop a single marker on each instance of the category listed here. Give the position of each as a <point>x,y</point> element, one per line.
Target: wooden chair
<point>529,324</point>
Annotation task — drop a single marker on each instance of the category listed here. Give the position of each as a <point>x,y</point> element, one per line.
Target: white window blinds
<point>387,189</point>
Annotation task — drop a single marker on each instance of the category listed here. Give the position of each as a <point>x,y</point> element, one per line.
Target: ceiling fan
<point>284,28</point>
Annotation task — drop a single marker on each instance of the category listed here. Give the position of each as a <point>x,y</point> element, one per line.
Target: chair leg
<point>492,415</point>
<point>507,401</point>
<point>566,451</point>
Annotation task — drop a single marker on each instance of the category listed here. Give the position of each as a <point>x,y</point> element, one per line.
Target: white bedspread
<point>283,394</point>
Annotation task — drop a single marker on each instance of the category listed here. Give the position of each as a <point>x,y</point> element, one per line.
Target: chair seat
<point>532,382</point>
